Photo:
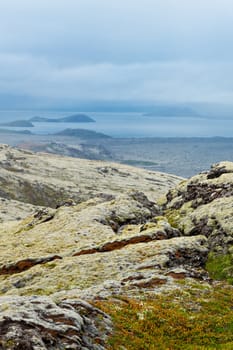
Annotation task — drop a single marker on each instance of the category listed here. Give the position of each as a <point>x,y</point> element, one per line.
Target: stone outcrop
<point>28,323</point>
<point>98,248</point>
<point>203,205</point>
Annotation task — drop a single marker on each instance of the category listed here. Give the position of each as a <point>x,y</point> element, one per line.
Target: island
<point>18,124</point>
<point>75,118</point>
<point>7,131</point>
<point>83,133</point>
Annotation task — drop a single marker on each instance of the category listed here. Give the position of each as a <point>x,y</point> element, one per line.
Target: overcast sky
<point>134,51</point>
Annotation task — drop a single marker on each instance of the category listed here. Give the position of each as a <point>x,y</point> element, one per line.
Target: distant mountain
<point>83,133</point>
<point>19,123</point>
<point>76,118</point>
<point>172,111</point>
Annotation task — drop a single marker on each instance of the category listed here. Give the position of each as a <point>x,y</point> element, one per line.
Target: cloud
<point>69,31</point>
<point>170,81</point>
<point>170,50</point>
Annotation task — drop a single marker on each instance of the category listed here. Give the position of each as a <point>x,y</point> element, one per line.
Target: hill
<point>7,131</point>
<point>79,150</point>
<point>19,124</point>
<point>76,118</point>
<point>46,179</point>
<point>83,133</point>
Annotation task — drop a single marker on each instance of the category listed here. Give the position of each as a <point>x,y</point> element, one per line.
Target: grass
<point>220,267</point>
<point>201,319</point>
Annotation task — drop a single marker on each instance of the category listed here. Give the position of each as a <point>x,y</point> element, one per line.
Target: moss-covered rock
<point>40,323</point>
<point>204,205</point>
<point>97,248</point>
<point>46,179</point>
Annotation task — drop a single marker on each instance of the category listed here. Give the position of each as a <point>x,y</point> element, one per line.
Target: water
<point>128,124</point>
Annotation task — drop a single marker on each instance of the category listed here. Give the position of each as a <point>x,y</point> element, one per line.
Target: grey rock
<point>204,205</point>
<point>42,324</point>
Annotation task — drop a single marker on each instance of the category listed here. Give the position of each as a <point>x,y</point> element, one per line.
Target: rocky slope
<point>102,231</point>
<point>81,150</point>
<point>47,180</point>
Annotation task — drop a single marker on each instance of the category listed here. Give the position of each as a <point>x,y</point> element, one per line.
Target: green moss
<point>8,344</point>
<point>51,265</point>
<point>162,201</point>
<point>220,267</point>
<point>36,291</point>
<point>173,217</point>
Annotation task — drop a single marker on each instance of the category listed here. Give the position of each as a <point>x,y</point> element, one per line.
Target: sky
<point>129,52</point>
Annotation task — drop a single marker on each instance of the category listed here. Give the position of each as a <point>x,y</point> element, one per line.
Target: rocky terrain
<point>74,231</point>
<point>80,150</point>
<point>47,180</point>
<point>184,157</point>
<point>204,204</point>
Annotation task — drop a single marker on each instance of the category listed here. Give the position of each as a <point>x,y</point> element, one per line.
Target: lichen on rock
<point>203,205</point>
<point>103,233</point>
<point>40,323</point>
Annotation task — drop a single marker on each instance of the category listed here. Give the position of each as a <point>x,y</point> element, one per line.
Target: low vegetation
<point>195,319</point>
<point>220,267</point>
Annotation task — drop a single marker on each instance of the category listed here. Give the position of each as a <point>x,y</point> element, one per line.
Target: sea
<point>127,125</point>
